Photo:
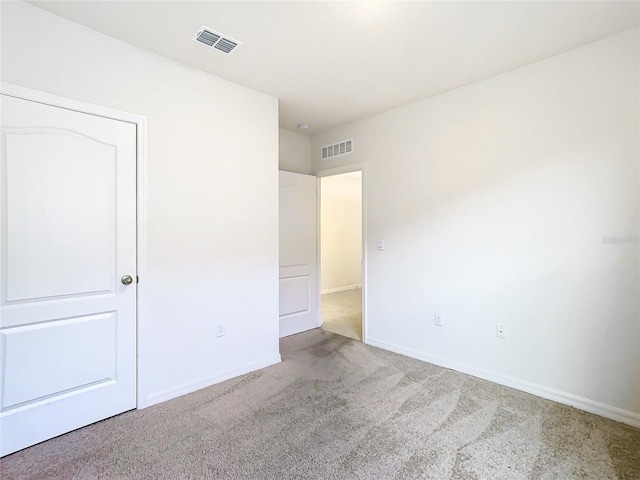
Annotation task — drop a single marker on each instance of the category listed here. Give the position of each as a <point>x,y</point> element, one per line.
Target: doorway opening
<point>341,254</point>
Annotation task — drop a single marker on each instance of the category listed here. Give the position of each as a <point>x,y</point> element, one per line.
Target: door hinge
<point>137,279</point>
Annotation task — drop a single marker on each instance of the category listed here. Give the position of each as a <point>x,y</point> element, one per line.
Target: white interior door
<point>298,254</point>
<point>68,236</point>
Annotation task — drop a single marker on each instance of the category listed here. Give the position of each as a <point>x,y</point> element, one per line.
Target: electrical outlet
<point>501,331</point>
<point>437,320</point>
<point>220,331</point>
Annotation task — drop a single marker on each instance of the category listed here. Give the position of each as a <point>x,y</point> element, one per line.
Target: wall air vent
<point>344,147</point>
<point>217,40</point>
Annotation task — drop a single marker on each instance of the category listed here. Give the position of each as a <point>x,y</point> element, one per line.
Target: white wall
<point>213,196</point>
<point>341,231</point>
<point>295,152</point>
<point>493,200</point>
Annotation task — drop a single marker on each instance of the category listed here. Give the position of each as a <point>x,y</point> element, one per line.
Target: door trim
<point>330,172</point>
<point>140,122</point>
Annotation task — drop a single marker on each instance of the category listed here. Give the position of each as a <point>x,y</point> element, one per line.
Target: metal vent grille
<point>344,147</point>
<point>225,45</point>
<point>217,40</point>
<point>207,37</point>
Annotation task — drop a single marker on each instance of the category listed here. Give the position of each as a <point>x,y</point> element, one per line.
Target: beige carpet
<point>338,409</point>
<point>342,313</point>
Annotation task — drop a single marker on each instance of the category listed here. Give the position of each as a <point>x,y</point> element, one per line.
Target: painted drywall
<point>341,232</point>
<point>294,152</point>
<point>515,201</point>
<point>212,196</point>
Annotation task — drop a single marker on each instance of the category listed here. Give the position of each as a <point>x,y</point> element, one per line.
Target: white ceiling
<point>334,62</point>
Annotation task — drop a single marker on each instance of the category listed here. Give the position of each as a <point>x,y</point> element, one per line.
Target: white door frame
<point>330,172</point>
<point>140,122</point>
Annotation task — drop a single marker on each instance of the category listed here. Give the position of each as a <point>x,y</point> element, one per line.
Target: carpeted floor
<point>342,313</point>
<point>338,409</point>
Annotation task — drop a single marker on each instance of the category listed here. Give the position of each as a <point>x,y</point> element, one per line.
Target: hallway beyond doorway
<point>342,313</point>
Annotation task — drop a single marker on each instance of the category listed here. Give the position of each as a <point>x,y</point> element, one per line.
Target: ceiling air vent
<point>344,147</point>
<point>226,45</point>
<point>217,40</point>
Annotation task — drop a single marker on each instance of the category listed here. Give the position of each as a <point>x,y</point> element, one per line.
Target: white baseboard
<point>614,413</point>
<point>189,387</point>
<point>340,289</point>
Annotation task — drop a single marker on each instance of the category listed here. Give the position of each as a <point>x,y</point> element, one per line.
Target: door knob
<point>127,280</point>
